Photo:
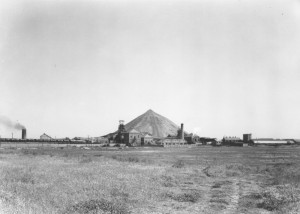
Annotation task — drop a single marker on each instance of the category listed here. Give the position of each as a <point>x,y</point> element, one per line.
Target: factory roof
<point>45,135</point>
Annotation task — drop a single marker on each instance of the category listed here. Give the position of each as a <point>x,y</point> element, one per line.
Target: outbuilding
<point>45,137</point>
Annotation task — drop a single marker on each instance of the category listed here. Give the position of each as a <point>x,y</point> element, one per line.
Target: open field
<point>150,180</point>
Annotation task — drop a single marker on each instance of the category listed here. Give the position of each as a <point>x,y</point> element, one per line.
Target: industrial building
<point>271,142</point>
<point>177,141</point>
<point>191,138</point>
<point>247,138</point>
<point>147,139</point>
<point>130,138</point>
<point>45,137</point>
<point>231,140</point>
<point>173,142</point>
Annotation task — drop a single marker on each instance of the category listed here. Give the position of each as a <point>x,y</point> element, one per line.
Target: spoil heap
<point>156,125</point>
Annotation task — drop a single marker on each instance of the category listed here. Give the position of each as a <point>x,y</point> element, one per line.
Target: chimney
<point>182,132</point>
<point>23,133</point>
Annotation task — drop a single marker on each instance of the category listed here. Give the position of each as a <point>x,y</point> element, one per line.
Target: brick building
<point>147,139</point>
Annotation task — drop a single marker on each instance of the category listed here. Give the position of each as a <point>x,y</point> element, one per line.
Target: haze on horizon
<point>75,68</point>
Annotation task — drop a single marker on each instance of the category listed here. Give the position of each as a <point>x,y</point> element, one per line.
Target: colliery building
<point>147,139</point>
<point>130,138</point>
<point>192,138</point>
<point>45,137</point>
<point>232,141</point>
<point>173,142</point>
<point>178,141</point>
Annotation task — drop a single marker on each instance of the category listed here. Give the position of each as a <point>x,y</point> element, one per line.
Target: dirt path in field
<point>233,197</point>
<point>226,194</point>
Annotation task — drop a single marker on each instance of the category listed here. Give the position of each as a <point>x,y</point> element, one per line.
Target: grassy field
<point>150,180</point>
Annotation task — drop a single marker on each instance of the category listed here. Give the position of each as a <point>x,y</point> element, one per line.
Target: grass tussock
<point>190,196</point>
<point>281,192</point>
<point>285,174</point>
<point>178,164</point>
<point>274,198</point>
<point>219,184</point>
<point>131,159</point>
<point>95,206</point>
<point>277,197</point>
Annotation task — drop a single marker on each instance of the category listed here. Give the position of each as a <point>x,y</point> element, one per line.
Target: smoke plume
<point>10,124</point>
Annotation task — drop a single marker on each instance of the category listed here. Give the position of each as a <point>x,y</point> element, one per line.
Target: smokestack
<point>182,132</point>
<point>23,133</point>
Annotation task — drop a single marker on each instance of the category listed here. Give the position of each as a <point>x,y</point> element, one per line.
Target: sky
<point>223,68</point>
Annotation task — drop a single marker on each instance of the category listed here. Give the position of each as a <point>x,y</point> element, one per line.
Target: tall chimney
<point>182,132</point>
<point>23,133</point>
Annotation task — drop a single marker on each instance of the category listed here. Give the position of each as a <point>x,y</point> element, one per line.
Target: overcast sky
<point>75,68</point>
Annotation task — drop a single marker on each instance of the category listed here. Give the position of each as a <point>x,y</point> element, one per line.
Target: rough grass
<point>191,196</point>
<point>97,206</point>
<point>178,164</point>
<point>202,180</point>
